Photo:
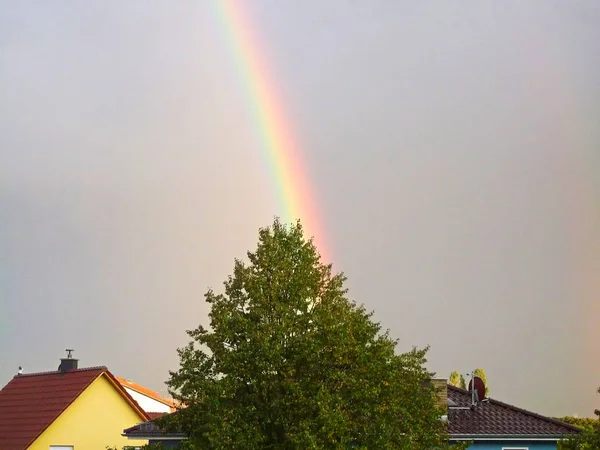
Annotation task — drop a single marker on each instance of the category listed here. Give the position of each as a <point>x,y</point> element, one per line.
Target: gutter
<point>150,436</point>
<point>508,437</point>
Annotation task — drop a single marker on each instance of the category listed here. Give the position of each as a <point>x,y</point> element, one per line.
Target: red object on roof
<point>156,415</point>
<point>478,385</point>
<point>30,403</point>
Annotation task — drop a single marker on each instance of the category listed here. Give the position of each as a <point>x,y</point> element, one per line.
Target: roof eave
<point>162,437</point>
<point>164,401</point>
<point>509,437</point>
<point>128,398</point>
<point>144,391</point>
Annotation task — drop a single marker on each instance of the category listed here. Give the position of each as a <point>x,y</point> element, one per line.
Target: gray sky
<point>454,148</point>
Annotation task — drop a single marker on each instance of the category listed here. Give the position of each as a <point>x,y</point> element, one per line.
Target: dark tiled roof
<point>148,430</point>
<point>30,403</point>
<point>494,418</point>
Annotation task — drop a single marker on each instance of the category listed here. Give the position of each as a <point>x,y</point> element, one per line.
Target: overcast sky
<point>454,149</point>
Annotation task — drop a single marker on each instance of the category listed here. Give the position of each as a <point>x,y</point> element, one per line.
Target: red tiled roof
<point>494,418</point>
<point>156,415</point>
<point>145,391</point>
<point>30,403</point>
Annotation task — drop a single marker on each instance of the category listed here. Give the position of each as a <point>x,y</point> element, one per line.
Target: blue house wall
<point>499,445</point>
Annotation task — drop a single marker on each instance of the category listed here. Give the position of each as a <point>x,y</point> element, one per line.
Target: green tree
<point>588,439</point>
<point>585,423</point>
<point>290,363</point>
<point>456,379</point>
<point>481,374</point>
<point>143,447</point>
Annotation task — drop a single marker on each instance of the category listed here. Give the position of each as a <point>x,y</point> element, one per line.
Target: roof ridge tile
<point>54,372</point>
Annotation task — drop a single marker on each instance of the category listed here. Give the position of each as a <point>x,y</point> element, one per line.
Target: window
<point>61,447</point>
<point>515,448</point>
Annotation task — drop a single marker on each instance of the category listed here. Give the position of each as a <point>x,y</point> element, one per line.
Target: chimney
<point>441,387</point>
<point>68,363</point>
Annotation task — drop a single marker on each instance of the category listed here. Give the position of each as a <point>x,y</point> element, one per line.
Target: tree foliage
<point>585,423</point>
<point>588,439</point>
<point>458,380</point>
<point>289,362</point>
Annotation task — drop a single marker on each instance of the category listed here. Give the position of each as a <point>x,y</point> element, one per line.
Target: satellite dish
<point>476,384</point>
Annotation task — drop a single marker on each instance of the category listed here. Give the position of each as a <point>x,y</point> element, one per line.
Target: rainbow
<point>578,191</point>
<point>282,151</point>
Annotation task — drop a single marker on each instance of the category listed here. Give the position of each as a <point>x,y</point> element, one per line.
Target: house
<point>153,434</point>
<point>494,425</point>
<point>67,409</point>
<point>491,425</point>
<point>150,401</point>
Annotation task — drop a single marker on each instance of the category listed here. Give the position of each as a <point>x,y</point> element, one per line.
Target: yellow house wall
<point>96,419</point>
